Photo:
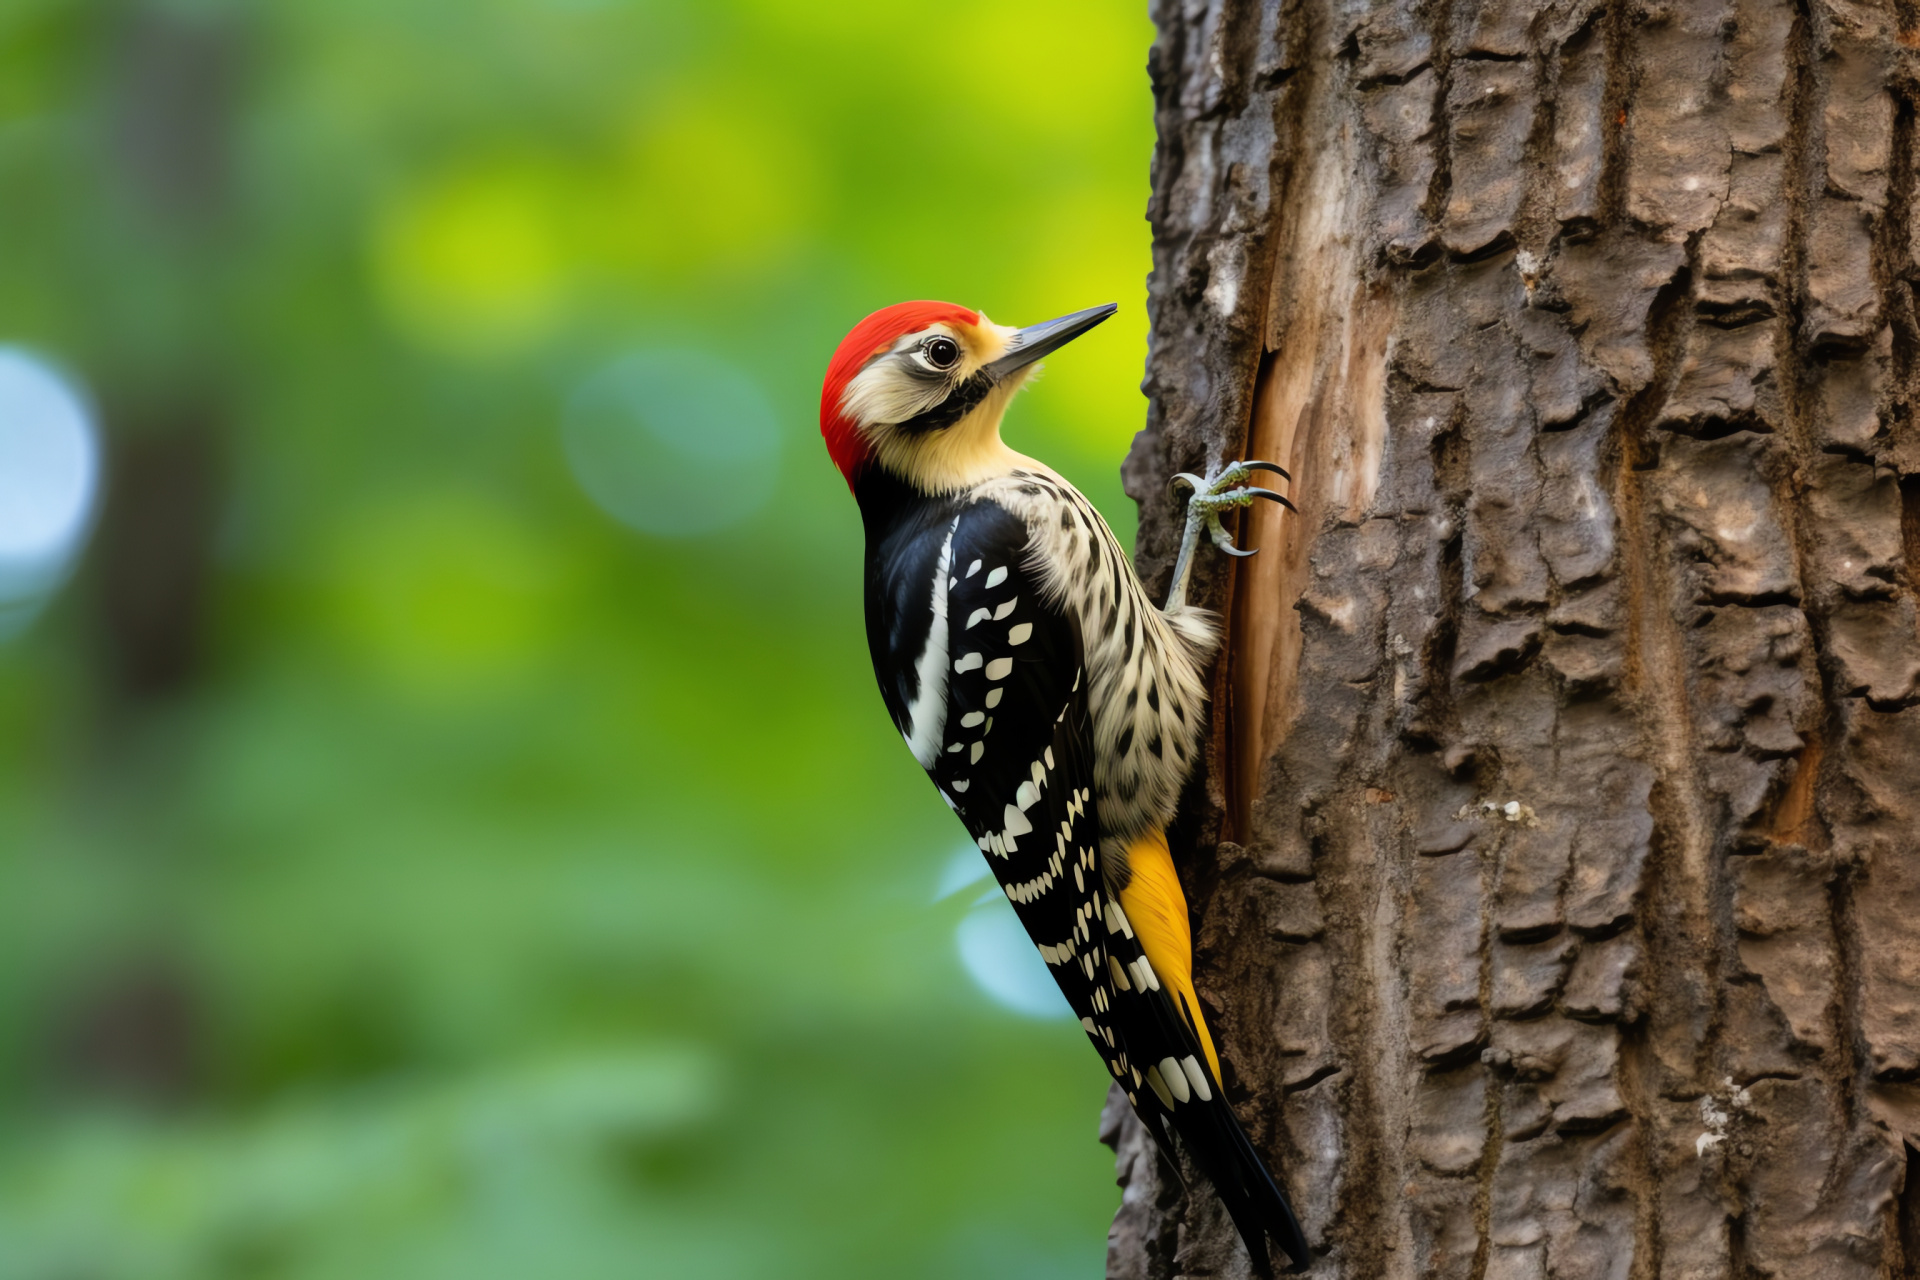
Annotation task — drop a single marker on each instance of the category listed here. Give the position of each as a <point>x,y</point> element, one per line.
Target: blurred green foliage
<point>503,890</point>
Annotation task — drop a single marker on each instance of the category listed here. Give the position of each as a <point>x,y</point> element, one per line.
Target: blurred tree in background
<point>446,824</point>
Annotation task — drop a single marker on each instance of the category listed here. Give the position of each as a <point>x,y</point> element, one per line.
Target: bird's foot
<point>1222,491</point>
<point>1208,497</point>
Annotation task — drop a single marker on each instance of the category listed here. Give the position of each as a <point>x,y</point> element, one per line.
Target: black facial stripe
<point>959,403</point>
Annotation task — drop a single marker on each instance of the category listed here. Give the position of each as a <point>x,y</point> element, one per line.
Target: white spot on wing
<point>972,718</point>
<point>1027,796</point>
<point>973,568</point>
<point>1016,822</point>
<point>999,668</point>
<point>1176,1079</point>
<point>997,577</point>
<point>1159,1087</point>
<point>1005,609</point>
<point>978,615</point>
<point>1196,1077</point>
<point>969,663</point>
<point>973,757</point>
<point>994,695</point>
<point>1143,970</point>
<point>1020,634</point>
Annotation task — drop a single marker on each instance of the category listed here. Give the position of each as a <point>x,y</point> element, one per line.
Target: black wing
<point>1015,758</point>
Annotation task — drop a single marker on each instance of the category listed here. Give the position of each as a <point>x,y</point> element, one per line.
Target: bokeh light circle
<point>1002,960</point>
<point>675,443</point>
<point>49,477</point>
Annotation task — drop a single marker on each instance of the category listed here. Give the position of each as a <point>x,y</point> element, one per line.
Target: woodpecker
<point>1058,712</point>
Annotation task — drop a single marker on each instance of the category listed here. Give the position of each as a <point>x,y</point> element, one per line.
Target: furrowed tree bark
<point>1556,874</point>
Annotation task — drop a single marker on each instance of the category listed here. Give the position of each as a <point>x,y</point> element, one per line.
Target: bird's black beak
<point>1034,341</point>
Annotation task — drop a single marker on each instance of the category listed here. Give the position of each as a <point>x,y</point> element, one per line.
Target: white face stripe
<point>927,714</point>
<point>887,392</point>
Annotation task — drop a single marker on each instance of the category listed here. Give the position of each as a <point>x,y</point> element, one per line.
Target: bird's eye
<point>941,353</point>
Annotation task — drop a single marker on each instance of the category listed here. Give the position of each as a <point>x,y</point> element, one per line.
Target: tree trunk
<point>1556,878</point>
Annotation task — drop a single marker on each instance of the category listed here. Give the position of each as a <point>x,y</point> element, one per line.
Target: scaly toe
<point>1237,498</point>
<point>1235,474</point>
<point>1229,476</point>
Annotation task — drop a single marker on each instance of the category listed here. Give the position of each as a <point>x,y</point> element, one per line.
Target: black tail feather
<point>1257,1205</point>
<point>1157,1035</point>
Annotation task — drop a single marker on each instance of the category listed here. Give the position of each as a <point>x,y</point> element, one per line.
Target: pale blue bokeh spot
<point>675,443</point>
<point>1000,957</point>
<point>967,867</point>
<point>49,477</point>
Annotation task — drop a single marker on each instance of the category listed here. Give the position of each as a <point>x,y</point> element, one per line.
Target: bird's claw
<point>1213,494</point>
<point>1207,497</point>
<point>1222,541</point>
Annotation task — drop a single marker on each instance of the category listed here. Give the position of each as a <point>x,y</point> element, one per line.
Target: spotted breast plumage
<point>1056,709</point>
